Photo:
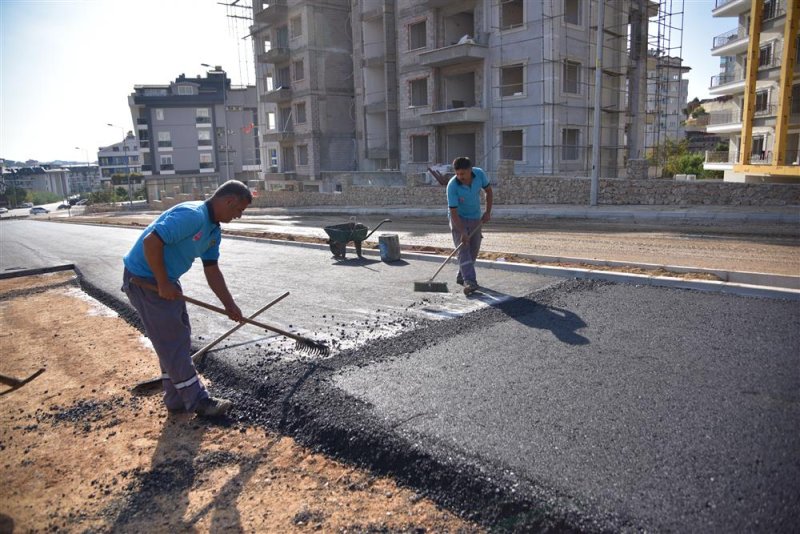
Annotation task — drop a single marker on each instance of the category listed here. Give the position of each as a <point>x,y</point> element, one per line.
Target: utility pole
<point>598,100</point>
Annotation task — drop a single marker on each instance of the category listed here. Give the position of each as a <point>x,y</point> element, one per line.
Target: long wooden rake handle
<point>310,344</point>
<point>221,338</point>
<point>453,253</point>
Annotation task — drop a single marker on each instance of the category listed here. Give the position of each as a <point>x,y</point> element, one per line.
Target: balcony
<point>719,161</point>
<point>274,55</point>
<point>470,115</point>
<point>281,94</point>
<point>278,137</point>
<point>454,54</point>
<point>724,84</point>
<point>717,118</point>
<point>730,8</point>
<point>274,12</point>
<point>167,167</point>
<point>730,43</point>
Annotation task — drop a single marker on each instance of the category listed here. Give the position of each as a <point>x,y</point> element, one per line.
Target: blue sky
<point>67,66</point>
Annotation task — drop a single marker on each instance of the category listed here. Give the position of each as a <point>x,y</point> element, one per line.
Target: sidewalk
<point>634,213</point>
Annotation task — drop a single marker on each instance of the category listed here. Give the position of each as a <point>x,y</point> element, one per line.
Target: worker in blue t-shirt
<point>162,254</point>
<point>464,203</point>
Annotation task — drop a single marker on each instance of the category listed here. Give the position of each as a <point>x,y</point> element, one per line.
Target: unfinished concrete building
<point>430,80</point>
<point>508,80</point>
<point>759,71</point>
<point>305,86</point>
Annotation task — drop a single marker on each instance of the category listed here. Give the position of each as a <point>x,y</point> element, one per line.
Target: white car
<point>3,210</point>
<point>37,210</point>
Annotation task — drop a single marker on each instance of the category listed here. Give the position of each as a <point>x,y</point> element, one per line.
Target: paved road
<point>711,244</point>
<point>346,303</point>
<point>587,406</point>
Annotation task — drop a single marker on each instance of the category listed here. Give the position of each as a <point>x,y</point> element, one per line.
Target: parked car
<point>82,201</point>
<point>27,204</point>
<point>3,210</point>
<point>38,210</point>
<point>63,206</point>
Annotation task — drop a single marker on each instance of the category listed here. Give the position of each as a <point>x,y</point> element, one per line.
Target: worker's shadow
<point>563,323</point>
<point>160,495</point>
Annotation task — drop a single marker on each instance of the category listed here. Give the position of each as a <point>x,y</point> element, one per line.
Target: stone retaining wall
<point>556,190</point>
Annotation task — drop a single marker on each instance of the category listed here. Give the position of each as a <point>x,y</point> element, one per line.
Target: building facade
<point>305,90</point>
<point>195,133</point>
<point>438,79</point>
<point>770,88</point>
<point>382,86</point>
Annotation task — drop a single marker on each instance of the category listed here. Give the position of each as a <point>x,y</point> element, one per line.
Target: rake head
<point>315,348</point>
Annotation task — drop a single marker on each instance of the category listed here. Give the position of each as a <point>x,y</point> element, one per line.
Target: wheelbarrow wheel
<point>338,249</point>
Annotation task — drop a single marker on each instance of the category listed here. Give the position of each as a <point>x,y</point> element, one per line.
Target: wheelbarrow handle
<point>373,230</point>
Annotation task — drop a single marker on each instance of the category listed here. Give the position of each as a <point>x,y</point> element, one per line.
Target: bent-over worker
<point>164,251</point>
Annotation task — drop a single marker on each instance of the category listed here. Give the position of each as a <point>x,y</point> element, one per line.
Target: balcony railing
<point>203,120</point>
<point>718,118</point>
<point>724,79</point>
<point>167,167</point>
<point>141,121</point>
<point>274,11</point>
<point>725,38</point>
<point>206,165</point>
<point>721,157</point>
<point>164,144</point>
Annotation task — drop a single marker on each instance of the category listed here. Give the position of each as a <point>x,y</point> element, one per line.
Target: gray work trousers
<point>166,323</point>
<point>468,253</point>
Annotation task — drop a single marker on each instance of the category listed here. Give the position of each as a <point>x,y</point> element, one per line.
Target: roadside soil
<point>81,453</point>
<point>755,248</point>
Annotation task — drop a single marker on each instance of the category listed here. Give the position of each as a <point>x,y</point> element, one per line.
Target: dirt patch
<point>80,452</point>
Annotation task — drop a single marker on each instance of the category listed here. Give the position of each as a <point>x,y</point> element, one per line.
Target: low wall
<point>556,190</point>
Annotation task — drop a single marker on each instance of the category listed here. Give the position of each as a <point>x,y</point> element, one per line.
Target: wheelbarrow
<point>341,234</point>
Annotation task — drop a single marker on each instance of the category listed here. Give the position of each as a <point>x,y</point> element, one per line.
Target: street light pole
<point>127,163</point>
<point>225,117</point>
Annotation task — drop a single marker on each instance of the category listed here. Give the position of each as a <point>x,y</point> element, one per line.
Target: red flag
<point>249,128</point>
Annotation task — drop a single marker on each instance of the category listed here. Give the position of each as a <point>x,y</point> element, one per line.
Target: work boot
<point>459,279</point>
<point>212,407</point>
<point>470,288</point>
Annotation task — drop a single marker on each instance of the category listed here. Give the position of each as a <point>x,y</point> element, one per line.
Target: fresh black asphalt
<point>586,406</point>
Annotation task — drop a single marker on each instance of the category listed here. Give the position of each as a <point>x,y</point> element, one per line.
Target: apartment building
<point>508,80</point>
<point>764,143</point>
<point>195,133</point>
<point>400,85</point>
<point>305,90</point>
<point>83,178</point>
<point>667,94</point>
<point>121,160</point>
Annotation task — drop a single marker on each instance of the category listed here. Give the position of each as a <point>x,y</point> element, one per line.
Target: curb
<point>730,286</point>
<point>40,270</point>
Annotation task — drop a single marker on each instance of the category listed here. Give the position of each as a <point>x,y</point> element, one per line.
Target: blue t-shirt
<point>467,198</point>
<point>188,232</point>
